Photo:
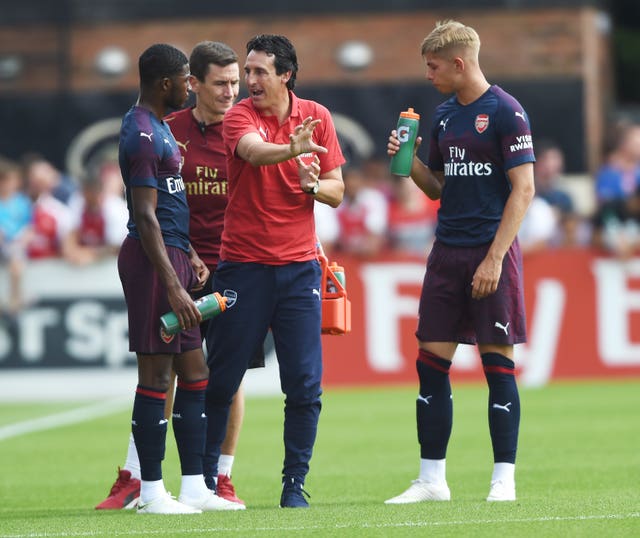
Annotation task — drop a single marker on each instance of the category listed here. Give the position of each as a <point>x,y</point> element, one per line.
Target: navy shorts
<point>146,298</point>
<point>447,312</point>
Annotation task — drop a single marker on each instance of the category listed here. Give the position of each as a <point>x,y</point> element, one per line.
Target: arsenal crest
<point>166,338</point>
<point>482,122</point>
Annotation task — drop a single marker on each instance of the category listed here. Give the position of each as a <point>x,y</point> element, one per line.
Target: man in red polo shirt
<point>282,157</point>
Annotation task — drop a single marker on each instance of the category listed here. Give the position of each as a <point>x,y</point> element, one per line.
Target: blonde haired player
<point>480,166</point>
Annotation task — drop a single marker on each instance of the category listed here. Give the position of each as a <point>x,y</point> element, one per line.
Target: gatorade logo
<point>403,133</point>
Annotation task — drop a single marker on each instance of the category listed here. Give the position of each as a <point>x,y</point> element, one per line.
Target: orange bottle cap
<point>410,114</point>
<point>222,301</point>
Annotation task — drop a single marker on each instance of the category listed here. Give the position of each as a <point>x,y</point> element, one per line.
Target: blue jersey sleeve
<point>143,160</point>
<point>434,160</point>
<point>149,157</point>
<point>514,131</point>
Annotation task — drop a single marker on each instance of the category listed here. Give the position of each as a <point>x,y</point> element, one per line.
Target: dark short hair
<point>283,51</point>
<point>210,52</point>
<point>160,61</point>
<point>8,166</point>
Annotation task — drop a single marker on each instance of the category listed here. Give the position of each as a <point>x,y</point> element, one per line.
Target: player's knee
<point>194,373</point>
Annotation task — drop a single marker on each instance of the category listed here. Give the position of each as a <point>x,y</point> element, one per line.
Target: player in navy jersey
<point>215,81</point>
<point>158,268</point>
<point>480,165</point>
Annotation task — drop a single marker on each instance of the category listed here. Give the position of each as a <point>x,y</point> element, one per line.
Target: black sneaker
<point>293,493</point>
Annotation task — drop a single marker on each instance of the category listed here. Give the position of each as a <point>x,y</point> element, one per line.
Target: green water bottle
<point>209,306</point>
<point>407,131</point>
<point>338,272</point>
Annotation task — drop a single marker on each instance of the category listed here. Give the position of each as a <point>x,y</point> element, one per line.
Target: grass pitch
<point>578,471</point>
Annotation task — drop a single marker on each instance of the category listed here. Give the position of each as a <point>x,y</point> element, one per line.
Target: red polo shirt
<point>269,219</point>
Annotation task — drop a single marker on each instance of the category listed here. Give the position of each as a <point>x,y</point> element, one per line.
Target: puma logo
<point>520,115</point>
<point>504,407</point>
<point>505,328</point>
<point>316,292</point>
<point>183,146</point>
<point>443,124</point>
<point>425,399</point>
<point>147,135</point>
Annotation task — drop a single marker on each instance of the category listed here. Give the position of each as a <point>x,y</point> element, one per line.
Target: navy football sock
<point>149,429</point>
<point>190,425</point>
<point>504,406</point>
<point>434,406</point>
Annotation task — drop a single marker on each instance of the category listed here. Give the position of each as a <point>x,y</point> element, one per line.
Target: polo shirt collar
<point>295,105</point>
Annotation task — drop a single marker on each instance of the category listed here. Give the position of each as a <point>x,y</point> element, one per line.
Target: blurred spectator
<point>98,220</point>
<point>548,170</point>
<point>111,178</point>
<point>362,216</point>
<point>616,222</point>
<point>571,229</point>
<point>39,170</point>
<point>619,176</point>
<point>616,226</point>
<point>412,218</point>
<point>574,231</point>
<point>538,226</point>
<point>376,170</point>
<point>15,221</point>
<point>327,226</point>
<point>51,217</point>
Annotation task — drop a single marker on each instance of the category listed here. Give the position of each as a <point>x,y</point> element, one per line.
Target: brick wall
<point>517,44</point>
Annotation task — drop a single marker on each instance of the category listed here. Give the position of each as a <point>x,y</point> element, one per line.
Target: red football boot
<point>124,493</point>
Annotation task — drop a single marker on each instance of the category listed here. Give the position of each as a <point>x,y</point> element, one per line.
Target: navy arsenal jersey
<point>149,157</point>
<point>475,145</point>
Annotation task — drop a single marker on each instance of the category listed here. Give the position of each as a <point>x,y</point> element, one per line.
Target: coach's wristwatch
<point>314,190</point>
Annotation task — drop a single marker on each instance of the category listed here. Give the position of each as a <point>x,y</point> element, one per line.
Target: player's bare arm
<point>201,270</point>
<point>253,149</point>
<point>145,201</point>
<point>330,185</point>
<point>427,181</point>
<point>487,275</point>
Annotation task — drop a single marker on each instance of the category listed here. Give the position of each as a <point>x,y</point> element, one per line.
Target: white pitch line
<point>65,418</point>
<point>245,529</point>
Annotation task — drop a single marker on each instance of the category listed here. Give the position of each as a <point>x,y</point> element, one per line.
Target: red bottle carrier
<point>336,307</point>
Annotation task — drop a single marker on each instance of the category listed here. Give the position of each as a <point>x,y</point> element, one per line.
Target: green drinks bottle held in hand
<point>407,131</point>
<point>209,306</point>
